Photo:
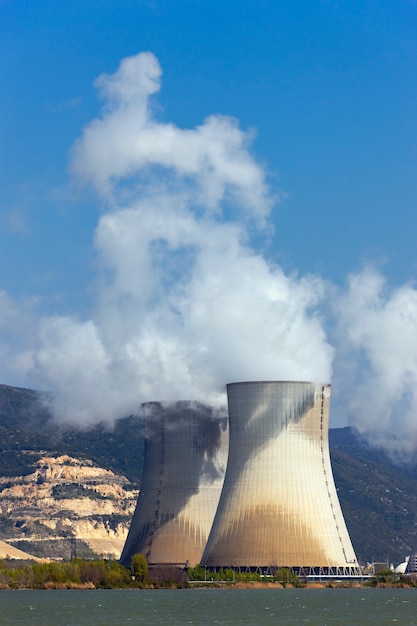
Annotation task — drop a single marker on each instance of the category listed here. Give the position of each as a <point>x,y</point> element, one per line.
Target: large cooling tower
<point>279,506</point>
<point>184,465</point>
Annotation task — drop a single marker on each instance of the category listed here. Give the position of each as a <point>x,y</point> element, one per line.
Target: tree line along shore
<point>110,574</point>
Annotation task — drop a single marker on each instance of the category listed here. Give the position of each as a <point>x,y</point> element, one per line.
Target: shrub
<point>139,568</point>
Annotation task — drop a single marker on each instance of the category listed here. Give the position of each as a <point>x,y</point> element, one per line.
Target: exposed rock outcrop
<point>67,503</point>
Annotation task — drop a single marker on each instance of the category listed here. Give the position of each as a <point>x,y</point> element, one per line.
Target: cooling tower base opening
<point>302,572</point>
<point>309,573</point>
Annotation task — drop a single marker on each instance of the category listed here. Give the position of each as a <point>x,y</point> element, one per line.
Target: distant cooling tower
<point>184,465</point>
<point>279,506</point>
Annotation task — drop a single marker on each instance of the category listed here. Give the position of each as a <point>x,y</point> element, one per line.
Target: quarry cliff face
<point>67,506</point>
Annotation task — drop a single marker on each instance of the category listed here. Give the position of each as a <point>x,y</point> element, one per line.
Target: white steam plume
<point>185,305</point>
<point>212,160</point>
<point>377,344</point>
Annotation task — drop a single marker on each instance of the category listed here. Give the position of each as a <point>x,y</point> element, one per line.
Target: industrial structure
<point>412,564</point>
<point>279,506</point>
<point>184,465</point>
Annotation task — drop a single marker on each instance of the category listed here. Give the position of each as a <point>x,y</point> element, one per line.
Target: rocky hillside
<point>66,506</point>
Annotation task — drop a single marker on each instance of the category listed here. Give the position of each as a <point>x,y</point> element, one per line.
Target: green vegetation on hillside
<point>28,431</point>
<point>378,499</point>
<point>75,490</point>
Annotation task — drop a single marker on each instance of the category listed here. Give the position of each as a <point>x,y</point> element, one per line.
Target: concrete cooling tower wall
<point>279,506</point>
<point>184,466</point>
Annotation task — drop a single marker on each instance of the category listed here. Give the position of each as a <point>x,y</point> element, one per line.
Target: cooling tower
<point>184,465</point>
<point>279,506</point>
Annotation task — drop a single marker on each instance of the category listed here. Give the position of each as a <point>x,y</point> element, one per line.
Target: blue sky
<point>326,95</point>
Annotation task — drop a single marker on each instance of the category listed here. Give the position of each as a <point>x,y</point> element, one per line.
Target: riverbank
<point>110,574</point>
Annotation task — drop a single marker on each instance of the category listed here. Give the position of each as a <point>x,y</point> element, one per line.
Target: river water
<point>321,607</point>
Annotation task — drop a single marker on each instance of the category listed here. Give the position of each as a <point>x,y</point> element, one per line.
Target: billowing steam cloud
<point>377,350</point>
<point>185,304</point>
<point>210,163</point>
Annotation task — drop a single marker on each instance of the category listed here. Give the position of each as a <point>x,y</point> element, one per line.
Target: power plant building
<point>279,506</point>
<point>184,465</point>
